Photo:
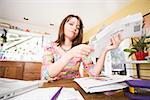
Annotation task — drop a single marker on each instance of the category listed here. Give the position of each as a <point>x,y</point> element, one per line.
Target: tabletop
<point>87,96</point>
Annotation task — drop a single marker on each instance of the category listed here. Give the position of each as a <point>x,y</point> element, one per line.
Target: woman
<point>62,58</point>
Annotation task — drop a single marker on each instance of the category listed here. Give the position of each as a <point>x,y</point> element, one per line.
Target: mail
<point>130,26</point>
<point>102,84</point>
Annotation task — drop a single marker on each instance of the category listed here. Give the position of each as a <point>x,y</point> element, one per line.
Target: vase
<point>140,55</point>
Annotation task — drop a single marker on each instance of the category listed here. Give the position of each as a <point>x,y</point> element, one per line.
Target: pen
<point>56,94</point>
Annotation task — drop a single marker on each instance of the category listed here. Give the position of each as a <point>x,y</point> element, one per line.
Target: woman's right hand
<point>115,41</point>
<point>80,50</point>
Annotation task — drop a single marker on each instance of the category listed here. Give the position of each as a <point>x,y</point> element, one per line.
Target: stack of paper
<point>48,93</point>
<point>101,84</point>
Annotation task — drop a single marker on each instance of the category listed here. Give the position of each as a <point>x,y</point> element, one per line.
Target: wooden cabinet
<point>10,69</point>
<point>2,71</point>
<point>13,72</point>
<point>20,70</point>
<point>32,71</point>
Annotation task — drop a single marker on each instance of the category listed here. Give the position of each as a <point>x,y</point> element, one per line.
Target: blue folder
<point>141,88</point>
<point>139,83</point>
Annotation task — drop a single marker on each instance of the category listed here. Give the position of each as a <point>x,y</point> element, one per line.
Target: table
<point>87,96</point>
<point>137,62</point>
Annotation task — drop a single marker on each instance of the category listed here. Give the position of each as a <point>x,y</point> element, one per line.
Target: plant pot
<point>141,55</point>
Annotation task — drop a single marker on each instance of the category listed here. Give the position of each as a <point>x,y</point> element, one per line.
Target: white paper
<point>48,93</point>
<point>129,26</point>
<point>110,87</point>
<point>101,84</point>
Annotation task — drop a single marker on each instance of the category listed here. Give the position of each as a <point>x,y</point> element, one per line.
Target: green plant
<point>139,44</point>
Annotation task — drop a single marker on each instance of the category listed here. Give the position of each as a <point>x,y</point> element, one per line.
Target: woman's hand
<point>80,50</point>
<point>114,42</point>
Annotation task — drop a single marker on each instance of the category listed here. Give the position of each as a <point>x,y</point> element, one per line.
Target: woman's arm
<point>100,63</point>
<point>51,68</point>
<point>115,41</point>
<point>54,68</point>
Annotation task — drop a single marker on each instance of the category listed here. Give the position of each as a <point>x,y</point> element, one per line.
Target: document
<point>102,84</point>
<point>48,93</point>
<point>129,26</point>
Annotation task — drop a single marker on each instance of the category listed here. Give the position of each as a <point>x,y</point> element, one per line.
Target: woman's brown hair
<point>61,36</point>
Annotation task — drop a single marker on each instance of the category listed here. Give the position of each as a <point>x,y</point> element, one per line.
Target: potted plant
<point>139,47</point>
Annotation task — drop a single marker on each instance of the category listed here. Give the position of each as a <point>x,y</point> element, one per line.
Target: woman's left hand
<point>114,42</point>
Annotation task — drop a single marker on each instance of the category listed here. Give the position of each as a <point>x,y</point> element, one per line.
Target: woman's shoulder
<point>51,45</point>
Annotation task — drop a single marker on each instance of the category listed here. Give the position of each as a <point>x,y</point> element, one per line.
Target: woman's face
<point>71,28</point>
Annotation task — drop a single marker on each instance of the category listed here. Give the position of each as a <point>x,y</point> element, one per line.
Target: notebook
<point>11,87</point>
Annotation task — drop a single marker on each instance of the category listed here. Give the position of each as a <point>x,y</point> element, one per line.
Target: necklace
<point>65,49</point>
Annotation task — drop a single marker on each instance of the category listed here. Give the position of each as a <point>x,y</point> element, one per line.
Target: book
<point>102,84</point>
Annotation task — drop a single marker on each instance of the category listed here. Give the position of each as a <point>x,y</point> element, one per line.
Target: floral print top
<point>52,53</point>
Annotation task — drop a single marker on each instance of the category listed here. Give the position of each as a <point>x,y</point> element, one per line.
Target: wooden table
<point>87,96</point>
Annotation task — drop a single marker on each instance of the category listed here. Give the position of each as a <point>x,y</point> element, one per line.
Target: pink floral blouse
<point>52,53</point>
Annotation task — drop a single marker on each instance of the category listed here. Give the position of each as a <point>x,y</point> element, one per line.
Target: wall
<point>24,46</point>
<point>142,6</point>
